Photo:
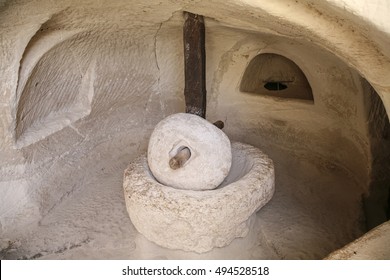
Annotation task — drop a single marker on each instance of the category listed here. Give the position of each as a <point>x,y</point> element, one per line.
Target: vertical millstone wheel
<point>187,152</point>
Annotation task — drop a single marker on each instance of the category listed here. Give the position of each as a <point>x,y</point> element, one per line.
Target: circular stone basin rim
<point>200,220</point>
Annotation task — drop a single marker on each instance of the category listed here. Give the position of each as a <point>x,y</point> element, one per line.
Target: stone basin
<point>200,220</point>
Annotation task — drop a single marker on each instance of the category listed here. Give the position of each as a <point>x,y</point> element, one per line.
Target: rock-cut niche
<point>55,86</point>
<point>275,75</point>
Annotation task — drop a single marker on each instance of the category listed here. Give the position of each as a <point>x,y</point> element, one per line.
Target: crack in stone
<point>156,62</point>
<point>62,198</point>
<point>155,46</point>
<point>6,248</point>
<point>77,131</point>
<point>60,250</point>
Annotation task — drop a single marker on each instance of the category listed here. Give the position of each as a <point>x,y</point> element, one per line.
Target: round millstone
<point>187,152</point>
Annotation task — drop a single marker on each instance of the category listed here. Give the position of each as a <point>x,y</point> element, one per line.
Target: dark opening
<point>377,200</point>
<point>275,86</point>
<point>275,75</point>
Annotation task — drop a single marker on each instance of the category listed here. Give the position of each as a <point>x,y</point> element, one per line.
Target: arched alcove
<point>276,75</point>
<point>55,87</point>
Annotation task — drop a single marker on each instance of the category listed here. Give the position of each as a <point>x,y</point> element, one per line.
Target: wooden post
<point>194,64</point>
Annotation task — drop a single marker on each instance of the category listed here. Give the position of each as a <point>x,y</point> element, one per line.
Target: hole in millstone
<point>275,86</point>
<point>183,154</point>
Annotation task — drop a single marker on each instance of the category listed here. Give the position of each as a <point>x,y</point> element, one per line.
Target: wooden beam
<point>194,64</point>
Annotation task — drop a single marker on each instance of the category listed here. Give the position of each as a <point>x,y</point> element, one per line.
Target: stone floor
<point>314,211</point>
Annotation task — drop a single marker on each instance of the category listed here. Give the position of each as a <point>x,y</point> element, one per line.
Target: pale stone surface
<point>64,180</point>
<point>200,220</point>
<point>374,245</point>
<point>210,158</point>
<point>49,77</point>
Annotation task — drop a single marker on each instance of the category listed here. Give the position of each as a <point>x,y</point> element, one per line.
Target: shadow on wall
<point>377,201</point>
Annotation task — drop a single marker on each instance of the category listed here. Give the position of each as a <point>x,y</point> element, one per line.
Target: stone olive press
<point>194,190</point>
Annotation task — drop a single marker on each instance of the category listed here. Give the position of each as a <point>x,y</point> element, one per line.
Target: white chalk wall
<point>85,81</point>
<point>331,131</point>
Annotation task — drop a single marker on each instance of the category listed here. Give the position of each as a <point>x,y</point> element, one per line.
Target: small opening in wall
<point>275,86</point>
<point>268,74</point>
